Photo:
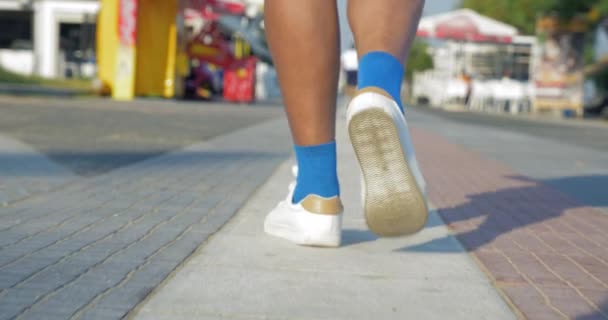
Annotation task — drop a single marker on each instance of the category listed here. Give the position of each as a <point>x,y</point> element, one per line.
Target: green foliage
<point>7,76</point>
<point>601,81</point>
<point>523,13</point>
<point>419,59</point>
<point>74,84</point>
<point>519,13</point>
<point>567,9</point>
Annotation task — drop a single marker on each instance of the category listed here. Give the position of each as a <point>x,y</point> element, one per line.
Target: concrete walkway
<point>95,248</point>
<point>244,274</point>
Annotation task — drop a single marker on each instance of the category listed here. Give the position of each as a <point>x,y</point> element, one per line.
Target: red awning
<point>465,25</point>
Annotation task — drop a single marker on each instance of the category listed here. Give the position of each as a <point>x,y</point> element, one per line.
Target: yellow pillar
<point>116,33</point>
<point>146,63</point>
<point>156,48</point>
<point>107,43</point>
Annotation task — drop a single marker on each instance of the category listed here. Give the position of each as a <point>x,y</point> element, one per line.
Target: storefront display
<point>558,74</point>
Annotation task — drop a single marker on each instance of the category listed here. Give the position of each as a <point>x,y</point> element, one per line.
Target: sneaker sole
<point>394,205</point>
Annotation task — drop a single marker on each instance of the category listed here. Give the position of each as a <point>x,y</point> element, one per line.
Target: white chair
<point>481,94</point>
<point>512,96</point>
<point>456,91</point>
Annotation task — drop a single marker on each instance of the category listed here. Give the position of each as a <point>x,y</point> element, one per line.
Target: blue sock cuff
<point>317,171</point>
<point>381,69</point>
<point>315,151</point>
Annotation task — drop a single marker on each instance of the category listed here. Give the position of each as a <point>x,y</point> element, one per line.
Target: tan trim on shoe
<point>374,90</point>
<point>319,205</point>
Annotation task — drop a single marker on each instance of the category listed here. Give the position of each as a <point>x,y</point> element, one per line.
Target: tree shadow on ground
<point>534,216</point>
<point>98,162</point>
<point>354,236</point>
<point>598,315</point>
<point>486,216</point>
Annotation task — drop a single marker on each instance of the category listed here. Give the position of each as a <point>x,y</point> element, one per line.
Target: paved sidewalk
<point>545,250</point>
<point>571,165</point>
<point>95,248</point>
<point>243,274</point>
<point>92,136</point>
<point>531,211</point>
<point>526,235</point>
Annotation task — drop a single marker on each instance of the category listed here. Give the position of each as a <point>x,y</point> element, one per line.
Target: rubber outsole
<point>394,204</point>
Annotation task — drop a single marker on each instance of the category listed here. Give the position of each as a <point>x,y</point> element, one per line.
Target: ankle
<point>381,69</point>
<point>317,172</point>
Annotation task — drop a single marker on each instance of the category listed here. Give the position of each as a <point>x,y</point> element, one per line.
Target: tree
<point>523,13</point>
<point>419,59</point>
<point>518,13</point>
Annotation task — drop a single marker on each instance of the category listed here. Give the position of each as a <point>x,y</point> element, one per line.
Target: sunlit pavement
<point>244,274</point>
<point>95,245</point>
<point>525,237</point>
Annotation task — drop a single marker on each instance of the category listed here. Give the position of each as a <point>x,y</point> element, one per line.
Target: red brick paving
<point>529,301</point>
<point>544,250</point>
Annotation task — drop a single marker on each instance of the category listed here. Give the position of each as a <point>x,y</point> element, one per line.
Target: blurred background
<point>519,57</point>
<point>123,123</point>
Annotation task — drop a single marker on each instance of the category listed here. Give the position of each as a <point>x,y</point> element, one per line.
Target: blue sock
<point>381,69</point>
<point>317,172</point>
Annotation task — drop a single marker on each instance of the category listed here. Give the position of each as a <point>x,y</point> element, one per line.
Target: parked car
<point>596,102</point>
<point>598,109</point>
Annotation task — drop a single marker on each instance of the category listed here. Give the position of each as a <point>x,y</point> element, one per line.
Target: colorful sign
<point>127,22</point>
<point>124,85</point>
<point>558,72</point>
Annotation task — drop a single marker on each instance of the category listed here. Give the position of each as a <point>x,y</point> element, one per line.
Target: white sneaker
<point>393,189</point>
<point>314,221</point>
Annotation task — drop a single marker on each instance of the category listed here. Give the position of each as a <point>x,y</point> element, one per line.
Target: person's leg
<point>394,198</point>
<point>303,38</point>
<point>383,45</point>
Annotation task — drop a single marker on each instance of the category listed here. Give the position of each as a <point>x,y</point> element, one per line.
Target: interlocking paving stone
<point>570,158</point>
<point>96,248</point>
<point>545,250</point>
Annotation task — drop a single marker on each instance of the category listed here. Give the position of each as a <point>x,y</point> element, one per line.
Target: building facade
<point>44,37</point>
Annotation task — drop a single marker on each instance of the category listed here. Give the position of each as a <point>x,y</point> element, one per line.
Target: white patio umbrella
<point>465,25</point>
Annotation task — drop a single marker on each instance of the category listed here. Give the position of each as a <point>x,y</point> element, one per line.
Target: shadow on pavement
<point>535,219</point>
<point>94,163</point>
<point>133,226</point>
<point>602,314</point>
<point>485,217</point>
<point>591,190</point>
<point>353,236</point>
